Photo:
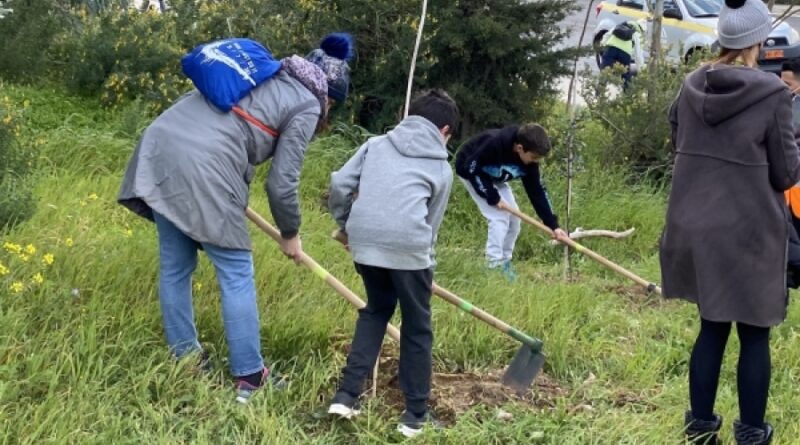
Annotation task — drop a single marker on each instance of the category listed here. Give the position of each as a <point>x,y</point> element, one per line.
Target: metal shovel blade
<point>523,369</point>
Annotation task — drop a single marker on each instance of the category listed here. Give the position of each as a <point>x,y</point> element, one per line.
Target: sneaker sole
<point>407,431</point>
<point>242,400</point>
<point>343,411</point>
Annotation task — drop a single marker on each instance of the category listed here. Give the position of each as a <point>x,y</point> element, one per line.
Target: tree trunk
<point>655,45</point>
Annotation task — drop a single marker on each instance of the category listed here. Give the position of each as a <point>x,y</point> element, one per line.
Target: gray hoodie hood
<point>718,93</point>
<point>417,137</point>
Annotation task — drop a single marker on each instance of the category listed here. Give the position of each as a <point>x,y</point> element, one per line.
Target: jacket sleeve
<point>437,206</point>
<point>538,197</point>
<point>344,187</point>
<point>782,151</point>
<point>284,174</point>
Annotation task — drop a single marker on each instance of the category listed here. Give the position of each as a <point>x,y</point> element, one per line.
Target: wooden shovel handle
<point>317,269</point>
<point>651,287</point>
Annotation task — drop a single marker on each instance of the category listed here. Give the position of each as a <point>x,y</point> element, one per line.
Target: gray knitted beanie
<point>743,23</point>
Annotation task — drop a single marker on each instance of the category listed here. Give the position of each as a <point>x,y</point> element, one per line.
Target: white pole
<point>414,57</point>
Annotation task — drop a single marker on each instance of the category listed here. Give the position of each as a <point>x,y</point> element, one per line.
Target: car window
<point>703,8</point>
<point>635,4</point>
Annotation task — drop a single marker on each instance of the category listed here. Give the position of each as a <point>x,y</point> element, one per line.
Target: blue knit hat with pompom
<point>335,50</point>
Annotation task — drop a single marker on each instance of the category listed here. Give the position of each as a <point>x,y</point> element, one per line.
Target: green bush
<point>16,198</point>
<point>636,119</point>
<point>26,36</point>
<point>121,55</point>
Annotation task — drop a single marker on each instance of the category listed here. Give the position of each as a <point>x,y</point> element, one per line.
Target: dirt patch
<point>635,294</point>
<point>453,394</point>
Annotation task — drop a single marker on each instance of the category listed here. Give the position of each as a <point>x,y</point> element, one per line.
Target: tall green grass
<point>82,357</point>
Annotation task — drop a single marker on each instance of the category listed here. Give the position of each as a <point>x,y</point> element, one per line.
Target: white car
<point>689,26</point>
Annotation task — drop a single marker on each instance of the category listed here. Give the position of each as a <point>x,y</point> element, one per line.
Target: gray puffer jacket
<point>194,163</point>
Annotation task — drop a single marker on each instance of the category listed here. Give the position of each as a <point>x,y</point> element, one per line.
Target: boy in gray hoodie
<point>389,199</point>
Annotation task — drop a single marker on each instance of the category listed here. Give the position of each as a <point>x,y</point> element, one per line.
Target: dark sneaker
<point>245,390</point>
<point>702,432</point>
<point>411,424</point>
<point>751,435</point>
<point>344,405</point>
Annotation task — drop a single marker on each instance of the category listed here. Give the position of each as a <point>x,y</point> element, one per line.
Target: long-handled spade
<point>651,287</point>
<point>318,270</point>
<point>529,359</point>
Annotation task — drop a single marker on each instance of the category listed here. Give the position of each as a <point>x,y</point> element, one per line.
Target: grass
<point>82,357</point>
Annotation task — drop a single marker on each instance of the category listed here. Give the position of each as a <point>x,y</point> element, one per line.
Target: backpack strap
<point>253,120</point>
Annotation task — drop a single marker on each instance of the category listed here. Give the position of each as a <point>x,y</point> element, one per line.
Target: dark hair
<point>735,4</point>
<point>533,138</point>
<point>438,107</point>
<point>792,65</point>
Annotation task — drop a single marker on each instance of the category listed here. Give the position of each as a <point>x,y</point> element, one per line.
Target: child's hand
<point>560,235</point>
<point>501,205</point>
<point>341,236</point>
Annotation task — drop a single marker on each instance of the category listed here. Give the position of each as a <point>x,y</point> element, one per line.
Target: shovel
<point>529,359</point>
<point>651,287</point>
<point>318,270</point>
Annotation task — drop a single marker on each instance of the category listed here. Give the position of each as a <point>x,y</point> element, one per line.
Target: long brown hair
<point>728,56</point>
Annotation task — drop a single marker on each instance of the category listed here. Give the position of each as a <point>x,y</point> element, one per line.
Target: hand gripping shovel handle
<point>651,287</point>
<point>534,343</point>
<point>317,269</point>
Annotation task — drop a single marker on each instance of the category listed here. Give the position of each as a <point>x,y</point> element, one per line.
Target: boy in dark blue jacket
<point>485,163</point>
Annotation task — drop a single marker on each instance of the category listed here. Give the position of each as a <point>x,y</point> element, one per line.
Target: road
<point>575,24</point>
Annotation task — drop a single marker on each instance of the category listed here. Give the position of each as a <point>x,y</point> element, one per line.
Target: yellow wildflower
<point>38,278</point>
<point>83,203</point>
<point>24,257</point>
<point>3,270</point>
<point>93,197</point>
<point>12,248</point>
<point>7,120</point>
<point>128,233</point>
<point>30,249</point>
<point>16,287</point>
<point>197,286</point>
<point>69,242</point>
<point>48,259</point>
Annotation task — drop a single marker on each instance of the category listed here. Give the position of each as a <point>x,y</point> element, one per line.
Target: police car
<point>689,26</point>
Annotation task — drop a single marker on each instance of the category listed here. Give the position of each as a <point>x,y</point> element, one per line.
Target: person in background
<point>623,47</point>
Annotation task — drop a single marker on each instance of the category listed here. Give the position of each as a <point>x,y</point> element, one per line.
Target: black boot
<point>751,435</point>
<point>702,432</point>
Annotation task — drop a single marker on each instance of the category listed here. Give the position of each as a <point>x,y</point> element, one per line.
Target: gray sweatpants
<point>503,226</point>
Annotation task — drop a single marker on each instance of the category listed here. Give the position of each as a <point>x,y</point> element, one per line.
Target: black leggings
<point>753,371</point>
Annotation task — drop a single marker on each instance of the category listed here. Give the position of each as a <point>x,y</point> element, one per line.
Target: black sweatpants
<point>385,288</point>
<point>753,371</point>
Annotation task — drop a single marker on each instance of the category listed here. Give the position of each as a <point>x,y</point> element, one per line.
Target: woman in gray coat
<point>725,239</point>
<point>190,173</point>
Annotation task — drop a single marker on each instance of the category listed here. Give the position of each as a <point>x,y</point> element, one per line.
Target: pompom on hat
<point>335,50</point>
<point>743,23</point>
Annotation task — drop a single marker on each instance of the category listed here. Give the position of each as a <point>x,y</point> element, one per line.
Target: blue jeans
<point>178,260</point>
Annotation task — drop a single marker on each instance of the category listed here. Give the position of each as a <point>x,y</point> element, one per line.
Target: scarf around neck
<point>310,76</point>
